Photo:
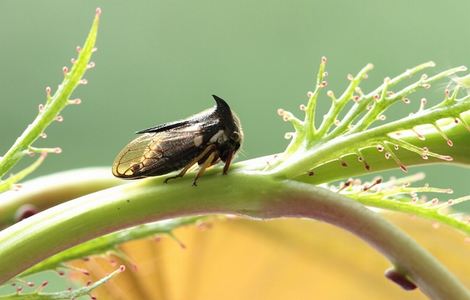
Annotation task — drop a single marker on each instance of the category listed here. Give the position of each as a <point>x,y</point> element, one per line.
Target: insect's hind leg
<point>209,149</point>
<point>207,163</point>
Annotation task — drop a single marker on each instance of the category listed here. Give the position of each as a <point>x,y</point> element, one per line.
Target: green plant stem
<point>47,191</point>
<point>12,180</point>
<point>51,190</point>
<point>333,170</point>
<point>36,238</point>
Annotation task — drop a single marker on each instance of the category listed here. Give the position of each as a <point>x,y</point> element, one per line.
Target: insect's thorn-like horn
<point>220,102</point>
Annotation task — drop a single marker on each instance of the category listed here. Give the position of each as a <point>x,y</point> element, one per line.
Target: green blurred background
<point>159,61</point>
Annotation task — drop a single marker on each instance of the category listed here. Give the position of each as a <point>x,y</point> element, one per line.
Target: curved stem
<point>46,191</point>
<point>65,225</point>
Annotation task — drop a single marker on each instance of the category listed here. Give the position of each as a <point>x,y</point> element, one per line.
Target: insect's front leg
<point>228,161</point>
<point>207,163</point>
<point>208,149</point>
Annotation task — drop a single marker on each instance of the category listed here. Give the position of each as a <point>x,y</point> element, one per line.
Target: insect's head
<point>235,140</point>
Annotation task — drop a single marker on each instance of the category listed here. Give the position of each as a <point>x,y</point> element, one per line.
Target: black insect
<point>205,138</point>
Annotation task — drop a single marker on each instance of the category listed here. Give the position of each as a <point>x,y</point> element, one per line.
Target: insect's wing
<point>159,153</point>
<point>203,118</point>
<point>165,127</point>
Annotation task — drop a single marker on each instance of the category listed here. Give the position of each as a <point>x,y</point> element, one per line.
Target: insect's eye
<point>235,136</point>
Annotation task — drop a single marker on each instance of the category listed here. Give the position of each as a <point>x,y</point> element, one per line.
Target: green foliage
<point>63,295</point>
<point>49,112</point>
<point>275,186</point>
<point>334,140</point>
<point>109,243</point>
<point>398,195</point>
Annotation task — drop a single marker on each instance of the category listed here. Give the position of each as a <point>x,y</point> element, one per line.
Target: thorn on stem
<point>330,94</point>
<point>57,150</point>
<point>42,286</point>
<point>376,182</point>
<point>402,280</point>
<point>422,104</point>
<point>442,133</point>
<point>360,158</point>
<point>345,185</point>
<point>75,101</point>
<point>48,91</point>
<point>25,211</point>
<point>419,135</point>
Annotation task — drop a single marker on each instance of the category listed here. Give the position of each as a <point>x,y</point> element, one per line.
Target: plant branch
<point>295,165</point>
<point>110,242</point>
<point>49,112</point>
<point>47,191</point>
<point>76,221</point>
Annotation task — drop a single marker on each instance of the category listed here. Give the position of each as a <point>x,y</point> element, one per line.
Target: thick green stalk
<point>51,190</point>
<point>70,223</point>
<point>39,194</point>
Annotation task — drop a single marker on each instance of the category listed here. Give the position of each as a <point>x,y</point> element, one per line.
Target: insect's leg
<point>210,148</point>
<point>207,163</point>
<point>227,162</point>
